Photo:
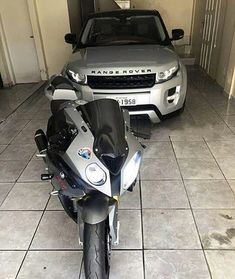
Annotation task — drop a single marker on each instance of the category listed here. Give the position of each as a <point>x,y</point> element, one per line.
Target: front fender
<point>94,208</point>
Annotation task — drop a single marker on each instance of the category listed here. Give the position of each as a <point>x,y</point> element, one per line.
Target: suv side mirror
<point>177,34</point>
<point>70,38</point>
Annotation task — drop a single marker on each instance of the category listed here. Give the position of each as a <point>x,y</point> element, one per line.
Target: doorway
<point>212,35</point>
<point>19,40</point>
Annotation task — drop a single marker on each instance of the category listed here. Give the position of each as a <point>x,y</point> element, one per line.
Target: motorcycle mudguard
<point>94,208</point>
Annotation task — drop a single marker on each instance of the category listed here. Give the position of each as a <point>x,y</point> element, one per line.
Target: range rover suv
<point>128,55</point>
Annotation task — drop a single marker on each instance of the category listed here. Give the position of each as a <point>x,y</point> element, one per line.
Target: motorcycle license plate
<point>125,101</point>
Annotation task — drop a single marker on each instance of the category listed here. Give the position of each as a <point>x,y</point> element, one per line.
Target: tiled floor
<point>13,97</point>
<point>178,224</point>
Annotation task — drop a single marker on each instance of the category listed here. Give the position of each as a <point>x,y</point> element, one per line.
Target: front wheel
<point>96,250</point>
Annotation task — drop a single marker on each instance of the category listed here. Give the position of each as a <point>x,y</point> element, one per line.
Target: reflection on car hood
<point>122,57</point>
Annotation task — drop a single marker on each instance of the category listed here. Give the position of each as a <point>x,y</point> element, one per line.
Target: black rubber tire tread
<point>94,251</point>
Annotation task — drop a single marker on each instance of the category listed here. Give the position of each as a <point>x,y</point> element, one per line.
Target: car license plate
<point>124,101</point>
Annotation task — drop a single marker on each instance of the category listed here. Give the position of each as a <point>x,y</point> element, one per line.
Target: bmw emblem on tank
<point>85,153</point>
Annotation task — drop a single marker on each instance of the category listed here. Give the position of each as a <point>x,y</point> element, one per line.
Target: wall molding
<point>33,13</point>
<point>6,66</point>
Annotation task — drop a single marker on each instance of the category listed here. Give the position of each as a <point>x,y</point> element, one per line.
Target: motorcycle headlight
<point>131,170</point>
<point>76,77</point>
<point>166,75</point>
<point>95,174</point>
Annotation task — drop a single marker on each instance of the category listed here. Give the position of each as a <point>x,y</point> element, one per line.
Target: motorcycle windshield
<point>105,118</point>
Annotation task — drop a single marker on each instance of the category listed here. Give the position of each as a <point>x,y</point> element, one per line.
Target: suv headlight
<point>166,75</point>
<point>95,174</point>
<point>76,77</point>
<point>131,170</point>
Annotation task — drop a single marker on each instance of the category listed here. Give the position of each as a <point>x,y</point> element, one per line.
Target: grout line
<point>219,167</point>
<point>142,225</point>
<point>39,222</point>
<point>116,250</point>
<point>194,219</point>
<point>13,184</point>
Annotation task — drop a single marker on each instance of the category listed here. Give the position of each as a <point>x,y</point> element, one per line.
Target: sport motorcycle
<point>92,158</point>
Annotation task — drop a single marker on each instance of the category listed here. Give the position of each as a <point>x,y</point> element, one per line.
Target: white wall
<point>54,24</point>
<point>224,67</point>
<point>176,14</point>
<point>198,24</point>
<point>230,78</point>
<point>106,5</point>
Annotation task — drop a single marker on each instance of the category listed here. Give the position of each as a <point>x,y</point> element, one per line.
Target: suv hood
<point>125,59</point>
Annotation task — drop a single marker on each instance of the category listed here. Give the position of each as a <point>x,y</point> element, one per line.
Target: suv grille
<point>121,82</point>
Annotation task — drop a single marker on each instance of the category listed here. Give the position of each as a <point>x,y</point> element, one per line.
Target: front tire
<point>96,251</point>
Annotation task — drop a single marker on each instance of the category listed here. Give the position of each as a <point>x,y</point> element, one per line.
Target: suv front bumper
<point>158,102</point>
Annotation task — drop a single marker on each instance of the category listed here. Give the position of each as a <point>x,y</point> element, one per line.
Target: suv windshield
<point>123,30</point>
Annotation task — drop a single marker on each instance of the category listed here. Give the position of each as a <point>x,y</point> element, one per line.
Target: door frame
<point>6,67</point>
<point>34,19</point>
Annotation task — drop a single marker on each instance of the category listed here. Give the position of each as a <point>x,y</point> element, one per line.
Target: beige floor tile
<point>194,168</point>
<point>221,264</point>
<point>2,147</point>
<point>7,135</point>
<point>56,231</point>
<point>54,204</point>
<point>159,169</point>
<point>24,137</point>
<point>130,229</point>
<point>164,194</point>
<point>131,200</point>
<point>27,196</point>
<point>18,152</point>
<point>17,229</point>
<point>227,165</point>
<point>209,194</point>
<point>221,149</point>
<point>33,171</point>
<point>4,190</point>
<point>216,228</point>
<point>158,150</point>
<point>170,229</point>
<point>11,170</point>
<point>10,263</point>
<point>51,265</point>
<point>191,150</point>
<point>176,264</point>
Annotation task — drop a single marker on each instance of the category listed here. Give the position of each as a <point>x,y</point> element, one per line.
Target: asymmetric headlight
<point>166,75</point>
<point>131,170</point>
<point>76,77</point>
<point>95,174</point>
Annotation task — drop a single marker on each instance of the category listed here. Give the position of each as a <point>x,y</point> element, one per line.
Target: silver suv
<point>128,55</point>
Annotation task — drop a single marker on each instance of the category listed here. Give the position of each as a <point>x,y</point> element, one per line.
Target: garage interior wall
<point>106,5</point>
<point>197,32</point>
<point>226,61</point>
<point>75,16</point>
<point>226,54</point>
<point>175,15</point>
<point>54,24</point>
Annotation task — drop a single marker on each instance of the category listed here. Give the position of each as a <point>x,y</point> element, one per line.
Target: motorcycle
<point>92,158</point>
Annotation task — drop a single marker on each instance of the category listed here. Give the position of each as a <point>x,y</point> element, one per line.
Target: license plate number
<point>125,101</point>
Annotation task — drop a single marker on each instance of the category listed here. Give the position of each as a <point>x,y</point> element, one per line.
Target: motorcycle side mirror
<point>177,34</point>
<point>70,38</point>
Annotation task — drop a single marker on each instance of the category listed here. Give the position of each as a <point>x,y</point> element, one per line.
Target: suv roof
<point>121,12</point>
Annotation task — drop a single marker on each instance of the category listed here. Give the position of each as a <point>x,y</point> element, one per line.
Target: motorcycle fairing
<point>84,139</point>
<point>105,118</point>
